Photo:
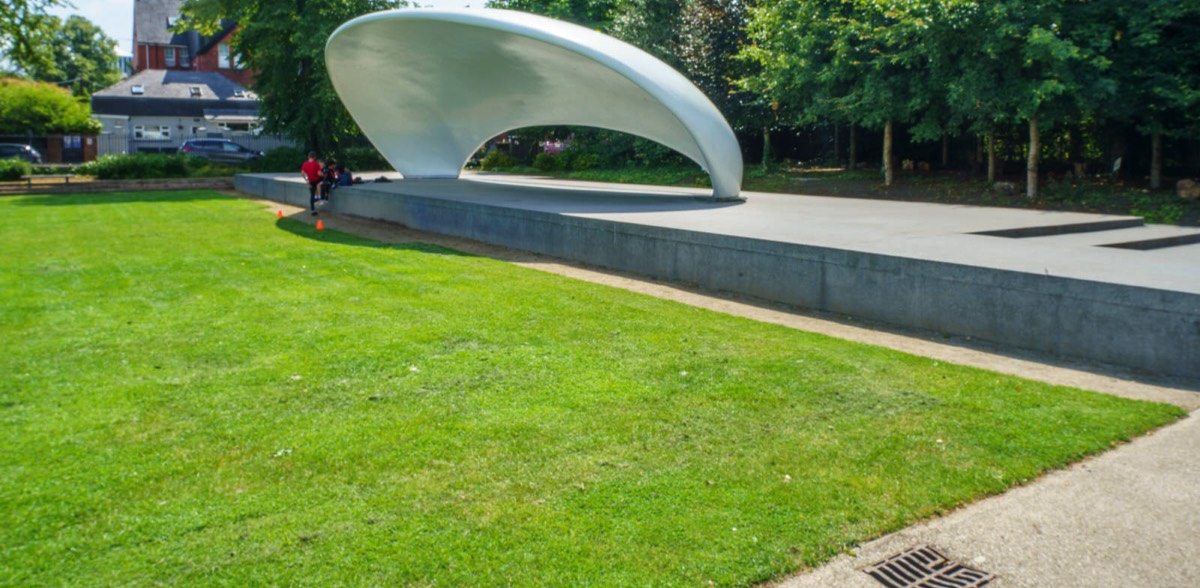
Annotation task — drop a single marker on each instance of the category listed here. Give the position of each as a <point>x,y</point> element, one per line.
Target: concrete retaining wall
<point>1142,328</point>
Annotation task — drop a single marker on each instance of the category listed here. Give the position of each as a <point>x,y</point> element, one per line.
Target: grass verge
<point>197,393</point>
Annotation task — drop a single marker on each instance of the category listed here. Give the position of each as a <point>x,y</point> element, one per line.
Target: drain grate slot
<point>923,567</point>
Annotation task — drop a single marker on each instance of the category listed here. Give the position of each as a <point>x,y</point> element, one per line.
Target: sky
<point>115,17</point>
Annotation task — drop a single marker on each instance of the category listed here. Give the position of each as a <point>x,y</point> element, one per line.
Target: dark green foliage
<point>364,158</point>
<point>497,159</point>
<point>594,14</point>
<point>280,159</point>
<point>11,170</point>
<point>547,162</point>
<point>143,166</point>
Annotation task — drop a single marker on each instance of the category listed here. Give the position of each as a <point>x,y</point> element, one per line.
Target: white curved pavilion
<point>429,87</point>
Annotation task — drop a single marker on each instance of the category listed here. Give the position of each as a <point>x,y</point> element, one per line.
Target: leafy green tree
<point>82,55</point>
<point>40,108</point>
<point>25,32</point>
<point>1156,67</point>
<point>652,25</point>
<point>283,42</point>
<point>865,62</point>
<point>596,14</point>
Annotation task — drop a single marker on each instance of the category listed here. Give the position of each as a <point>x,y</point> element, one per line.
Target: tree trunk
<point>888,172</point>
<point>837,146</point>
<point>1031,171</point>
<point>766,158</point>
<point>853,148</point>
<point>945,150</point>
<point>991,156</point>
<point>1156,160</point>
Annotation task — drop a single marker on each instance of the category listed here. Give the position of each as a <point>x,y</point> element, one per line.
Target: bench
<point>66,178</point>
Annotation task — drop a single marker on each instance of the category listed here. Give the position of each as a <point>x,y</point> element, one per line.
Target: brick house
<point>155,46</point>
<point>184,86</point>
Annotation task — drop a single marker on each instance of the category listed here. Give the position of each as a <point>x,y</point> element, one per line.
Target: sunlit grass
<point>197,393</point>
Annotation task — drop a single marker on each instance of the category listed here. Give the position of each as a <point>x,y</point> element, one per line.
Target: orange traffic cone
<point>320,225</point>
<point>279,214</point>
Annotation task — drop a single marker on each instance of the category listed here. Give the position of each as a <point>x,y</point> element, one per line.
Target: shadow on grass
<point>295,226</point>
<point>94,198</point>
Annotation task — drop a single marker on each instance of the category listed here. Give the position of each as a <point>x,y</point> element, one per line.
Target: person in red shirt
<point>311,170</point>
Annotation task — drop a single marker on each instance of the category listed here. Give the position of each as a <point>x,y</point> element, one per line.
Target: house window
<point>152,132</point>
<point>169,54</point>
<point>223,56</point>
<point>184,57</point>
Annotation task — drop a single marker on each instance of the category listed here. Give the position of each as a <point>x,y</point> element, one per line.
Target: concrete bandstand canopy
<point>429,87</point>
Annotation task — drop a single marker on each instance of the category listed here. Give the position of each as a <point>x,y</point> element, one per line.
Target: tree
<point>595,14</point>
<point>651,25</point>
<point>1156,67</point>
<point>82,56</point>
<point>25,30</point>
<point>283,42</point>
<point>864,62</point>
<point>40,108</point>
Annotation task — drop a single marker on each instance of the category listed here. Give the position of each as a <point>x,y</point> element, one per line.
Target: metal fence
<point>120,144</point>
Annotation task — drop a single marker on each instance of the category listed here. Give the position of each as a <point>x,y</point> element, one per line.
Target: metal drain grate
<point>923,567</point>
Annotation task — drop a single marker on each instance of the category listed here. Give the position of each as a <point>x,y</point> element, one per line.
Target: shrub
<point>41,108</point>
<point>497,159</point>
<point>547,162</point>
<point>280,159</point>
<point>11,170</point>
<point>141,166</point>
<point>585,161</point>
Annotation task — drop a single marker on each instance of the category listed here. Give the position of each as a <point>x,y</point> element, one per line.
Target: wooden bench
<point>66,178</point>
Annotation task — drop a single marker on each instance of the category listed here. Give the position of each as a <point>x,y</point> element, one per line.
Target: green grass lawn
<point>195,392</point>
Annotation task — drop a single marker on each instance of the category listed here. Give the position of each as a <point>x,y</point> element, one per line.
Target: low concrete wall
<point>1142,328</point>
<point>58,186</point>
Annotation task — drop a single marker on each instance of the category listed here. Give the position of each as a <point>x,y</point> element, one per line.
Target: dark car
<point>219,150</point>
<point>11,150</point>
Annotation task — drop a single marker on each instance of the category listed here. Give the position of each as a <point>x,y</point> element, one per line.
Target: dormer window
<point>195,90</point>
<point>138,89</point>
<point>171,20</point>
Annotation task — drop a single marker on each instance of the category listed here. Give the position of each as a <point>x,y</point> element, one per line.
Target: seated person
<point>344,177</point>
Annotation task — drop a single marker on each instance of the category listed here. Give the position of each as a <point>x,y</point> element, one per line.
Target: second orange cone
<point>320,225</point>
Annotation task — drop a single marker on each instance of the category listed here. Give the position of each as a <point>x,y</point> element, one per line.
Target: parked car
<point>219,150</point>
<point>11,150</point>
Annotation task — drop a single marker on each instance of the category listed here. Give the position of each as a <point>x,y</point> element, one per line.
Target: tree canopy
<point>81,55</point>
<point>943,66</point>
<point>25,33</point>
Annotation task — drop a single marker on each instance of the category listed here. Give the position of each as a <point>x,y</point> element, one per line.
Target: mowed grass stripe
<point>197,393</point>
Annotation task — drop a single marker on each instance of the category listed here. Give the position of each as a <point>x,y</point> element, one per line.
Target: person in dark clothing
<point>345,178</point>
<point>328,179</point>
<point>311,171</point>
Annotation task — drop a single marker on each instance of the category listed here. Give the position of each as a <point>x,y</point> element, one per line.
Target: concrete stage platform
<point>1093,287</point>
